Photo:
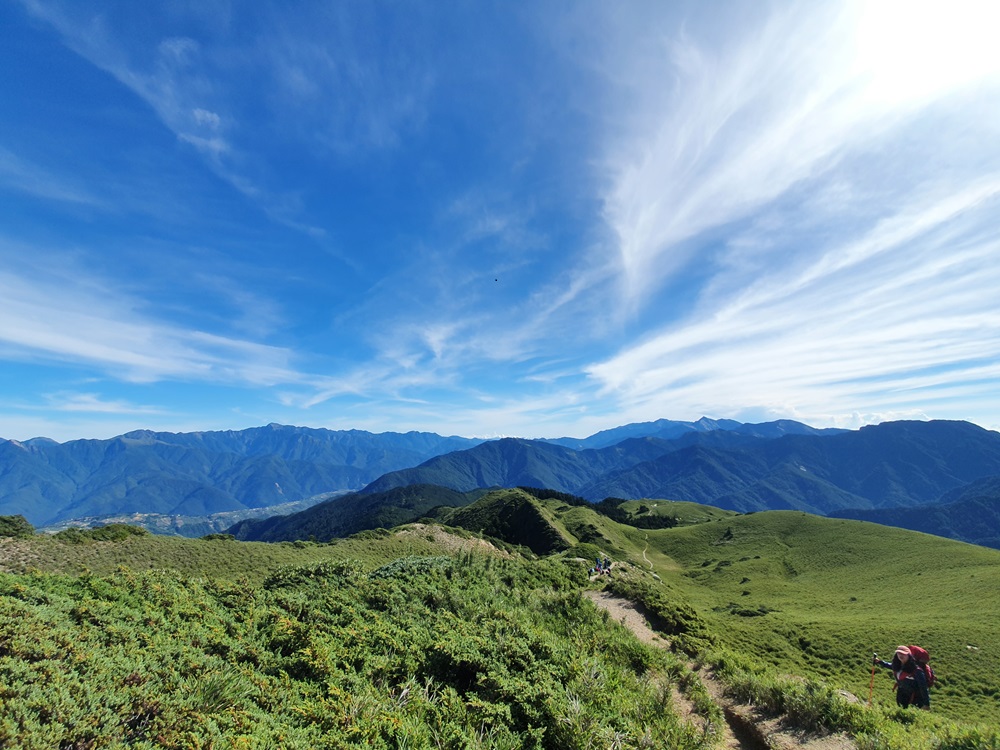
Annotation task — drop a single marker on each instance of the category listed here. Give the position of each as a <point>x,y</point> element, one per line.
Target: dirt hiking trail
<point>745,728</point>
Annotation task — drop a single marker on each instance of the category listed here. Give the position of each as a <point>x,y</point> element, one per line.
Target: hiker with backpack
<point>913,675</point>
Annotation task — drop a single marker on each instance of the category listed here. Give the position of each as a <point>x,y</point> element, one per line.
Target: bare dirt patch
<point>450,542</point>
<point>627,613</point>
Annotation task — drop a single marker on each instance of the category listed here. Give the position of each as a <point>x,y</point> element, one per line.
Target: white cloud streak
<point>301,73</point>
<point>94,403</point>
<point>717,134</point>
<point>907,308</point>
<point>20,175</point>
<point>85,321</point>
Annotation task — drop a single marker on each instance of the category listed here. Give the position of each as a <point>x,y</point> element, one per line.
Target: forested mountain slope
<point>197,474</point>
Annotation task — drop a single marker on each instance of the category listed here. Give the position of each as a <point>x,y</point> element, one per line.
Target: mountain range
<point>881,466</point>
<point>947,470</point>
<point>199,473</point>
<point>879,473</point>
<point>970,513</point>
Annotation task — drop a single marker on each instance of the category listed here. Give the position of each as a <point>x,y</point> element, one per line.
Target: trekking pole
<point>871,684</point>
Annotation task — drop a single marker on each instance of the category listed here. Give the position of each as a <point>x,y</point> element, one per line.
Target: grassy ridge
<point>220,557</point>
<point>814,597</point>
<point>686,513</point>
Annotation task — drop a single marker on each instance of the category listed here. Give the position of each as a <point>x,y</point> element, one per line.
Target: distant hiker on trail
<point>911,678</point>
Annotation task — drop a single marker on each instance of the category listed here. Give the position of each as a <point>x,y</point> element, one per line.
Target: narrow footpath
<point>745,729</point>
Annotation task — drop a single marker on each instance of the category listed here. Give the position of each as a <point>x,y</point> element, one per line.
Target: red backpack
<point>922,658</point>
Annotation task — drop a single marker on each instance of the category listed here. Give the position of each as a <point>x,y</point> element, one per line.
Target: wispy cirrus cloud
<point>716,132</point>
<point>21,175</point>
<point>300,78</point>
<point>802,222</point>
<point>76,318</point>
<point>885,318</point>
<point>94,403</point>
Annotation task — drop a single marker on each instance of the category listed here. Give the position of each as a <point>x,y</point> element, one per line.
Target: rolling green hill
<point>685,513</point>
<point>817,596</point>
<point>433,634</point>
<point>514,516</point>
<point>810,595</point>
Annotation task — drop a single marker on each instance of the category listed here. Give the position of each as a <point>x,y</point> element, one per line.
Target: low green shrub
<point>113,532</point>
<point>16,527</point>
<point>454,652</point>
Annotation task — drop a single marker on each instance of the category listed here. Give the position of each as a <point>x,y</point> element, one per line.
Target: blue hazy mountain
<point>894,466</point>
<point>199,473</point>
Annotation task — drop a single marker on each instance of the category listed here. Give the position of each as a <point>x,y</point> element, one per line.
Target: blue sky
<point>477,218</point>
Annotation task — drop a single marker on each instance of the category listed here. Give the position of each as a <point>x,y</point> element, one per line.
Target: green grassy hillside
<point>220,557</point>
<point>686,513</point>
<point>814,596</point>
<point>429,636</point>
<point>515,516</point>
<point>817,596</point>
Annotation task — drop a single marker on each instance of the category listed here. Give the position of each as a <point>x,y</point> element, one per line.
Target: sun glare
<point>912,50</point>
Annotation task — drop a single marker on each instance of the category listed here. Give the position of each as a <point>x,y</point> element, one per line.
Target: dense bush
<point>113,532</point>
<point>611,507</point>
<point>16,526</point>
<point>423,652</point>
<point>546,494</point>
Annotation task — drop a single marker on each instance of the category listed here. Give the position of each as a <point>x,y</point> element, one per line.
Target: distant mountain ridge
<point>726,464</point>
<point>200,473</point>
<point>970,513</point>
<point>349,514</point>
<point>886,465</point>
<point>510,462</point>
<point>667,429</point>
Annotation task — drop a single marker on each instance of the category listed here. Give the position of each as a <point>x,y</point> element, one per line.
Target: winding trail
<point>745,728</point>
<point>650,564</point>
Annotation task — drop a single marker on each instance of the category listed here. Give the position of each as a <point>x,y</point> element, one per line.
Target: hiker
<point>911,679</point>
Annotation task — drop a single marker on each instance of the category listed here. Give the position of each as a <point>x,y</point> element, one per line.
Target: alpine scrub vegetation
<point>16,527</point>
<point>434,636</point>
<point>448,651</point>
